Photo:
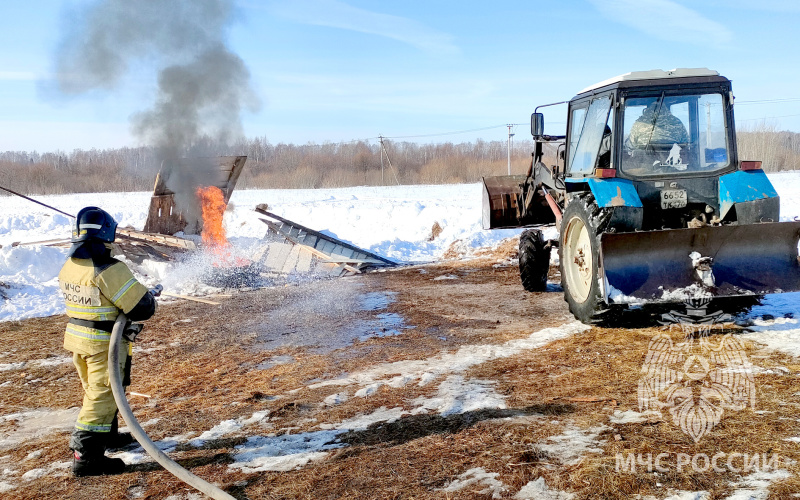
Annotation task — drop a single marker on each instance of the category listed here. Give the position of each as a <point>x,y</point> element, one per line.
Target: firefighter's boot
<point>96,466</point>
<point>88,457</point>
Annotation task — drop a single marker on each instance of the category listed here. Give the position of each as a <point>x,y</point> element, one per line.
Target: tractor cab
<point>650,198</point>
<point>650,125</point>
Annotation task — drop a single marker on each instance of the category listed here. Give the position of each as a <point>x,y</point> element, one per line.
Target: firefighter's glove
<point>132,330</point>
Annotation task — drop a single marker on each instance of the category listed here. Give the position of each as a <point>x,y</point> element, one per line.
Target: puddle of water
<point>385,325</point>
<point>275,361</point>
<point>375,301</point>
<point>326,316</point>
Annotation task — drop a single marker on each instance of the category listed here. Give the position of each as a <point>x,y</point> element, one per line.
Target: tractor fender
<point>617,196</point>
<point>751,193</point>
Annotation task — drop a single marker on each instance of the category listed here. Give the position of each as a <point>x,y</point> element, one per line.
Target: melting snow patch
<point>446,277</point>
<point>37,423</point>
<point>782,334</point>
<point>6,367</point>
<point>459,361</point>
<point>4,486</point>
<point>634,417</point>
<point>283,453</point>
<point>478,477</point>
<point>760,480</point>
<point>538,490</point>
<point>570,446</point>
<point>216,432</point>
<point>55,469</point>
<point>689,495</point>
<point>748,495</point>
<point>361,422</point>
<point>456,395</point>
<point>335,399</point>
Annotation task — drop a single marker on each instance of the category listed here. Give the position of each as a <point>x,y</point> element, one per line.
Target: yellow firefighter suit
<point>95,291</point>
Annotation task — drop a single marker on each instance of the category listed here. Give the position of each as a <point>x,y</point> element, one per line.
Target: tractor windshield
<point>667,134</point>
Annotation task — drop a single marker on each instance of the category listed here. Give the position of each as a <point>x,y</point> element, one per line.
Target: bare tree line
<point>323,165</point>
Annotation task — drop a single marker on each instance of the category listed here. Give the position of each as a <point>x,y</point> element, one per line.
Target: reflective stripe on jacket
<point>95,293</point>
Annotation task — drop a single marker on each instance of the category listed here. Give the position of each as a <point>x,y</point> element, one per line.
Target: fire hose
<point>136,429</point>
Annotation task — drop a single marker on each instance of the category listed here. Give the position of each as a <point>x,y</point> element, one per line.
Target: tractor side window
<point>591,135</point>
<point>576,125</point>
<point>711,120</point>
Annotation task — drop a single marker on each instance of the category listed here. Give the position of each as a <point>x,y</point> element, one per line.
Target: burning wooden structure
<point>302,246</point>
<point>167,215</point>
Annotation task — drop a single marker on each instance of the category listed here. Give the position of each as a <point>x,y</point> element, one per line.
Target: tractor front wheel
<point>578,256</point>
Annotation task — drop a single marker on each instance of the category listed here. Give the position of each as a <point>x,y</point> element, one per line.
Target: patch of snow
<point>748,495</point>
<point>4,486</point>
<point>781,334</point>
<point>361,422</point>
<point>216,432</point>
<point>478,477</point>
<point>693,291</point>
<point>538,490</point>
<point>689,495</point>
<point>760,480</point>
<point>256,418</point>
<point>37,423</point>
<point>457,395</point>
<point>53,470</point>
<point>7,367</point>
<point>283,453</point>
<point>446,277</point>
<point>335,399</point>
<point>616,296</point>
<point>459,361</point>
<point>633,417</point>
<point>570,446</point>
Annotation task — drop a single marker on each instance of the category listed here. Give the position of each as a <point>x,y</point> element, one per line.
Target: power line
<point>764,118</point>
<point>768,101</point>
<point>445,133</point>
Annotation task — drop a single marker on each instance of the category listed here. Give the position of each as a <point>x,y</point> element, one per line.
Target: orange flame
<point>212,202</point>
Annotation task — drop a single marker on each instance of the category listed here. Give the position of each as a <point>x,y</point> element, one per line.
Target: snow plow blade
<point>500,196</point>
<point>656,266</point>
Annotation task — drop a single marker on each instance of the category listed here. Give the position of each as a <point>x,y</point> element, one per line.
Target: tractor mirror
<point>537,124</point>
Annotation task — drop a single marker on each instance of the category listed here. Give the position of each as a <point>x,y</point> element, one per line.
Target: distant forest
<point>323,165</point>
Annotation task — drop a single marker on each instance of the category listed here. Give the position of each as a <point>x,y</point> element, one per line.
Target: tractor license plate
<point>673,198</point>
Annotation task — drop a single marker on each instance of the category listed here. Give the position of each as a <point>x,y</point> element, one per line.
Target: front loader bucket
<point>500,195</point>
<point>656,266</point>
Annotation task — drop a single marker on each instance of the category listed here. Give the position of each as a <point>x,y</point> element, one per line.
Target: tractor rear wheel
<point>579,256</point>
<point>534,260</point>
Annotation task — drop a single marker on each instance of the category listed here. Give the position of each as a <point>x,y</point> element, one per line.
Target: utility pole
<point>381,138</point>
<point>510,135</point>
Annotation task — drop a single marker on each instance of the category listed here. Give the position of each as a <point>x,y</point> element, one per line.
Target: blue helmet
<point>93,223</point>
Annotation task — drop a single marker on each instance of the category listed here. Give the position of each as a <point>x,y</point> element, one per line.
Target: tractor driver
<point>96,288</point>
<point>665,129</point>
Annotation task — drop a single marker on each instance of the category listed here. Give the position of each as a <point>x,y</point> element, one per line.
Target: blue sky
<point>339,70</point>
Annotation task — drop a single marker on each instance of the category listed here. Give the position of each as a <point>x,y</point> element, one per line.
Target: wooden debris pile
<point>135,245</point>
<point>303,249</point>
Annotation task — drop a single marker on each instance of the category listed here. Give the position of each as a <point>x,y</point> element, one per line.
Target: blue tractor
<point>651,199</point>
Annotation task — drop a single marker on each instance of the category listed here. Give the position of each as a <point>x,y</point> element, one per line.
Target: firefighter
<point>96,287</point>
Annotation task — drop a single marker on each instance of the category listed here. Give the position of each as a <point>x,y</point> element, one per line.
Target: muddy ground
<point>276,350</point>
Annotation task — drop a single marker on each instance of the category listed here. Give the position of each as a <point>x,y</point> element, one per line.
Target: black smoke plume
<point>203,87</point>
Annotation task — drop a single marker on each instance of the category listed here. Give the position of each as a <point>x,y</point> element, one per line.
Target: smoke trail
<point>203,87</point>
